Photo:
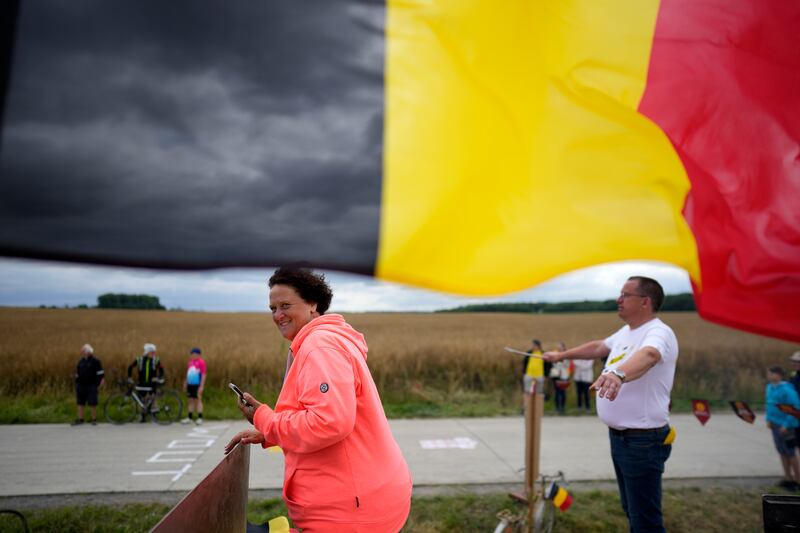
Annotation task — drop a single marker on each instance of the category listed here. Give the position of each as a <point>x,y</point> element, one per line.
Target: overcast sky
<point>34,283</point>
<point>174,135</point>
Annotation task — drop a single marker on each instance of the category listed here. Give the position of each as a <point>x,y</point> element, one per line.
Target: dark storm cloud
<point>195,133</point>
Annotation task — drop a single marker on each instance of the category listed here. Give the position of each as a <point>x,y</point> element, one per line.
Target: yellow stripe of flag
<point>512,133</point>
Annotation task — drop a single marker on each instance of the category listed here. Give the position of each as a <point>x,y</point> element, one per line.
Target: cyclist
<point>193,385</point>
<point>151,373</point>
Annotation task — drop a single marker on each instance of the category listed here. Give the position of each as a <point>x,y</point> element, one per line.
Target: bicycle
<point>544,515</point>
<point>164,406</point>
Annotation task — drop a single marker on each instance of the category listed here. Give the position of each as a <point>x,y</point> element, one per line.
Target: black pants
<point>583,394</point>
<point>561,399</point>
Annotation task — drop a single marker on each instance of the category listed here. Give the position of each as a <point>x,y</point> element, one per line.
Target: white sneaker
<point>185,421</point>
<point>199,422</point>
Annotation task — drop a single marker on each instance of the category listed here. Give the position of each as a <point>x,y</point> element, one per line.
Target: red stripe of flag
<point>724,85</point>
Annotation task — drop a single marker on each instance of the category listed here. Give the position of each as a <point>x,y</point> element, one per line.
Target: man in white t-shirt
<point>633,395</point>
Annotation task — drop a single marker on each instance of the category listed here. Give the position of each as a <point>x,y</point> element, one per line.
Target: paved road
<point>52,459</point>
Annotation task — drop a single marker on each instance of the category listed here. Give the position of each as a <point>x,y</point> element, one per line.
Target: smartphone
<point>238,392</point>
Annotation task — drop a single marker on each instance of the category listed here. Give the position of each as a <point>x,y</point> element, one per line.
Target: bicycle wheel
<point>504,526</point>
<point>120,408</point>
<point>167,407</point>
<point>544,513</point>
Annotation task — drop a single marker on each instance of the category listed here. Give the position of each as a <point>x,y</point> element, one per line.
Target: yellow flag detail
<point>617,358</point>
<point>513,151</point>
<point>278,525</point>
<point>670,438</point>
<point>560,497</point>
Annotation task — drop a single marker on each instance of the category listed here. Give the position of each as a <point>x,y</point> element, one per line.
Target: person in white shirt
<point>561,373</point>
<point>633,395</point>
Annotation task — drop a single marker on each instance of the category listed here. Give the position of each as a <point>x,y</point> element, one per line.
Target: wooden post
<point>530,411</point>
<point>534,411</point>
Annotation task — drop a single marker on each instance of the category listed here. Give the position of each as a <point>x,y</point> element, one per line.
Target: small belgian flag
<point>561,498</point>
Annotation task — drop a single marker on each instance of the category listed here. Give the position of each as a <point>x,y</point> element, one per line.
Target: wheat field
<point>409,353</point>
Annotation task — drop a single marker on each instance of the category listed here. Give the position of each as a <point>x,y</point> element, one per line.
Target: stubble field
<point>420,362</point>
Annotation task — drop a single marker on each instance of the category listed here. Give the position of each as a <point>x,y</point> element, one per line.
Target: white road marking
<point>183,443</point>
<point>174,457</point>
<point>183,451</point>
<point>176,477</point>
<point>464,443</point>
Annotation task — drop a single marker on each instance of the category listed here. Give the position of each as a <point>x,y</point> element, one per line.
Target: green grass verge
<point>688,510</point>
<point>89,519</point>
<point>220,404</point>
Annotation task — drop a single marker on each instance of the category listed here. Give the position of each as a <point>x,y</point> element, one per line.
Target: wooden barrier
<point>218,504</point>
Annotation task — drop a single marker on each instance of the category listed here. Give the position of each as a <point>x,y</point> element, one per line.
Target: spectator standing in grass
<point>88,379</point>
<point>633,394</point>
<point>795,359</point>
<point>148,368</point>
<point>193,385</point>
<point>533,367</point>
<point>583,376</point>
<point>783,425</point>
<point>560,372</point>
<point>150,372</point>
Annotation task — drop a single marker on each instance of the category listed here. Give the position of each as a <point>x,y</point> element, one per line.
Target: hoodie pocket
<point>320,494</point>
<point>297,507</point>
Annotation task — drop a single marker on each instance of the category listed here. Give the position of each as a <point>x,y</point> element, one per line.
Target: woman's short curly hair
<point>310,286</point>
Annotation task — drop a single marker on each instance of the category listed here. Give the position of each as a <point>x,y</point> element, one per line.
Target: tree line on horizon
<point>121,301</point>
<point>128,301</point>
<point>676,302</point>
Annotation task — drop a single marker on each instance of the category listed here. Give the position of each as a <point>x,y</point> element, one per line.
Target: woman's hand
<point>249,406</point>
<point>248,436</point>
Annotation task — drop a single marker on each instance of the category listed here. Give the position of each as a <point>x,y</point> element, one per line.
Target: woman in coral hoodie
<point>344,470</point>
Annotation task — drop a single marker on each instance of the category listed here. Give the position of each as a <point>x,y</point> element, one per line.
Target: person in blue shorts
<point>194,384</point>
<point>782,425</point>
<point>795,380</point>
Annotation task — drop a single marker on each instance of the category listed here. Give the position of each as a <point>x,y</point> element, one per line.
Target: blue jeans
<point>639,463</point>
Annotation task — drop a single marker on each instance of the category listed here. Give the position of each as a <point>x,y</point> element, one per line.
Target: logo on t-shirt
<point>617,358</point>
<point>193,376</point>
<point>620,356</point>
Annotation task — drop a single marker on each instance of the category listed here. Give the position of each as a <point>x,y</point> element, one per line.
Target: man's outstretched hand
<point>607,386</point>
<point>552,357</point>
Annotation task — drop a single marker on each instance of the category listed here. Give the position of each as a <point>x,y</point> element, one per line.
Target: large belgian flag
<point>469,146</point>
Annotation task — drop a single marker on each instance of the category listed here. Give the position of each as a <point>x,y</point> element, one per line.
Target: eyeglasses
<point>626,295</point>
